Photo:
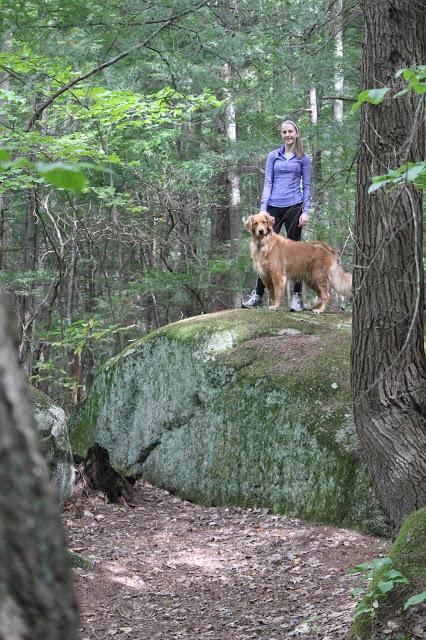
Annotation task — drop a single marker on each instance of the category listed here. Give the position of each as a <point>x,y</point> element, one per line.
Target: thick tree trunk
<point>36,593</point>
<point>388,360</point>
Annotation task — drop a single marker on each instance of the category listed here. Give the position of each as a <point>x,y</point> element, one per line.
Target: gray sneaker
<point>297,303</point>
<point>255,300</point>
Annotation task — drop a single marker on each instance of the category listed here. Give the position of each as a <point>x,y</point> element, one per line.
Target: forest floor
<point>163,568</point>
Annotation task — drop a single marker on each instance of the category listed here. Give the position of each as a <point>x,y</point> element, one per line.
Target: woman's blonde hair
<point>298,146</point>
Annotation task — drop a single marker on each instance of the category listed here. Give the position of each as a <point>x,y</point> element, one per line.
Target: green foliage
<point>24,283</point>
<point>383,579</point>
<point>62,176</point>
<point>80,333</point>
<point>148,133</point>
<point>411,172</point>
<point>81,337</point>
<point>58,174</point>
<point>122,109</point>
<point>372,96</point>
<point>391,592</point>
<point>418,598</point>
<point>416,79</point>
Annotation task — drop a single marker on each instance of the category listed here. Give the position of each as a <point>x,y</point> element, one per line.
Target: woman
<point>286,197</point>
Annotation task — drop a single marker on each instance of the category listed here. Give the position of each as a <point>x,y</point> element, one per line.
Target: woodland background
<point>171,109</point>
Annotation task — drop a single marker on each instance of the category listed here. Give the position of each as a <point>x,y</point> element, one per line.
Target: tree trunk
<point>28,301</point>
<point>226,212</point>
<point>36,593</point>
<point>337,10</point>
<point>219,236</point>
<point>72,282</point>
<point>4,85</point>
<point>233,177</point>
<point>318,196</point>
<point>388,360</point>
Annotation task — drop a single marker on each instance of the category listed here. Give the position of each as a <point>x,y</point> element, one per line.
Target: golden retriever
<point>277,259</point>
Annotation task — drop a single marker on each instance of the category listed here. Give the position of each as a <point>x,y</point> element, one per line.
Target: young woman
<point>286,196</point>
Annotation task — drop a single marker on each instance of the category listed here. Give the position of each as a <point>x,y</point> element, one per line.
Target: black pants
<point>288,216</point>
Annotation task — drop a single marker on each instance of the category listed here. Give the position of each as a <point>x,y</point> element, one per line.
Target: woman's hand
<point>304,219</point>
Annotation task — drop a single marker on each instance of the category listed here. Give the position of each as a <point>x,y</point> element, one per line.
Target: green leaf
<point>416,80</point>
<point>414,171</point>
<point>396,576</point>
<point>361,568</point>
<point>63,176</point>
<point>4,155</point>
<point>378,563</point>
<point>411,172</point>
<point>416,599</point>
<point>372,96</point>
<point>420,182</point>
<point>379,181</point>
<point>384,587</point>
<point>363,611</point>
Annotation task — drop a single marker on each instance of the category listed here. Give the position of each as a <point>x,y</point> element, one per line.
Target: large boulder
<point>239,407</point>
<point>52,427</point>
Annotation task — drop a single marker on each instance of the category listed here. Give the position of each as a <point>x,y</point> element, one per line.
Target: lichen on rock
<point>237,407</point>
<point>51,424</point>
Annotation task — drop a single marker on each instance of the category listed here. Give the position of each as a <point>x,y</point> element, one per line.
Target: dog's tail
<point>340,280</point>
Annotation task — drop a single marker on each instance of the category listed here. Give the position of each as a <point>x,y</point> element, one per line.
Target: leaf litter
<point>164,568</point>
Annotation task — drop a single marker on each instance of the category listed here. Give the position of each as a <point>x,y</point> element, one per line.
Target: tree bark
<point>4,84</point>
<point>318,196</point>
<point>30,259</point>
<point>233,177</point>
<point>219,236</point>
<point>102,476</point>
<point>36,592</point>
<point>226,212</point>
<point>388,359</point>
<point>337,10</point>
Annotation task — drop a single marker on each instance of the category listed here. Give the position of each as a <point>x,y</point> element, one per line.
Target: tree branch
<point>338,98</point>
<point>37,114</point>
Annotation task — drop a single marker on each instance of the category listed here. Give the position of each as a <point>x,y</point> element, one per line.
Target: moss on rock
<point>237,407</point>
<point>408,552</point>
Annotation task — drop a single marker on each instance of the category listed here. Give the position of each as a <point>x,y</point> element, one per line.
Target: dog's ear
<point>270,221</point>
<point>249,223</point>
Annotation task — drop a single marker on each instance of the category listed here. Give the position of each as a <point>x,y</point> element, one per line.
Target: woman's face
<point>288,133</point>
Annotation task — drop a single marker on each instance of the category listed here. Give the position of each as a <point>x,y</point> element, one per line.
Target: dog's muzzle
<point>261,233</point>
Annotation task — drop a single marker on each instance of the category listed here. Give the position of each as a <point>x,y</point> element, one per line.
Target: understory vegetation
<point>169,112</point>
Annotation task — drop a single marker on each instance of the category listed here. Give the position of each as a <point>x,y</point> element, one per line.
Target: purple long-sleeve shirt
<point>287,182</point>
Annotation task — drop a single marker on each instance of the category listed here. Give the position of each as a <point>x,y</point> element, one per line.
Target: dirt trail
<point>167,569</point>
